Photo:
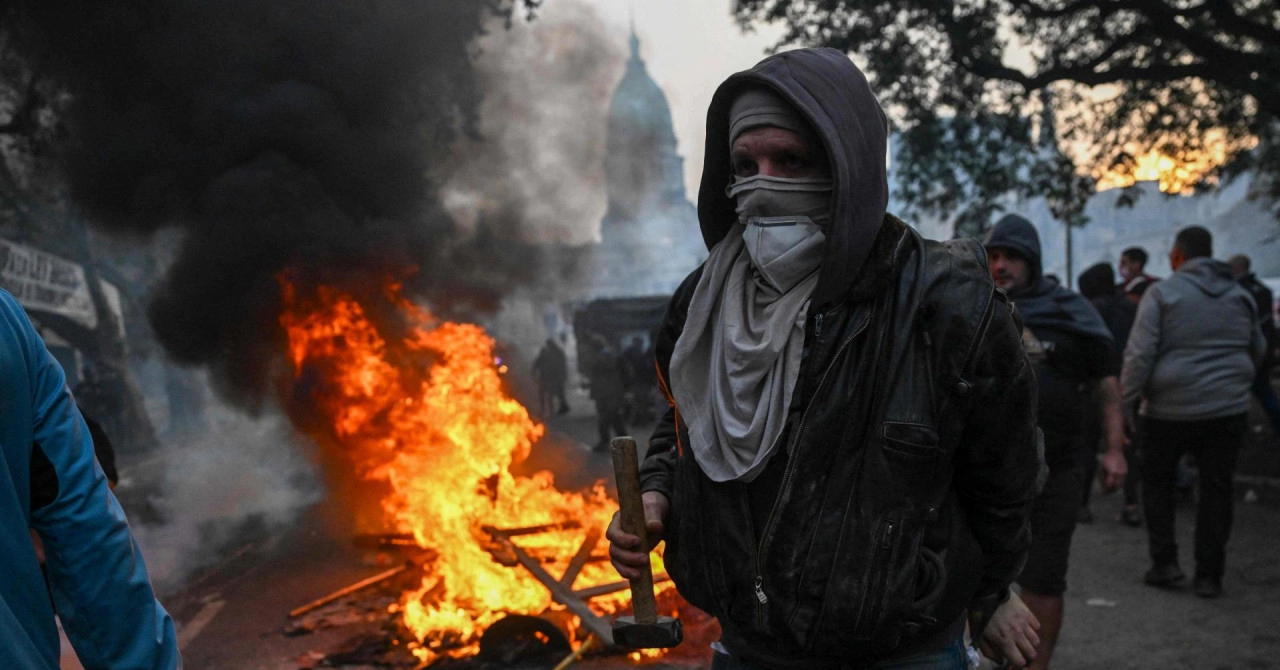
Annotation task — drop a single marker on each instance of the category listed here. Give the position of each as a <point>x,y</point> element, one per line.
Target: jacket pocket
<point>869,613</point>
<point>911,454</point>
<point>910,439</point>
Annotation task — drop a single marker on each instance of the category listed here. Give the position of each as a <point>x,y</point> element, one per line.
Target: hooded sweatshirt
<point>736,363</point>
<point>737,414</point>
<point>1067,341</point>
<point>1044,303</point>
<point>825,87</point>
<point>1194,346</point>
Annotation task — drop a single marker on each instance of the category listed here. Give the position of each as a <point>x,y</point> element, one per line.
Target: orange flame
<point>427,415</point>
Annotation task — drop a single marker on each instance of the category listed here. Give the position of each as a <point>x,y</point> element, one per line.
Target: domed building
<point>650,238</point>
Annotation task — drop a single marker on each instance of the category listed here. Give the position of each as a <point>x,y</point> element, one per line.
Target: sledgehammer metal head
<point>659,634</point>
<point>644,630</point>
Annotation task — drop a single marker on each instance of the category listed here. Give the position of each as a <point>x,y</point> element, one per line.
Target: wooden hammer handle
<point>626,471</point>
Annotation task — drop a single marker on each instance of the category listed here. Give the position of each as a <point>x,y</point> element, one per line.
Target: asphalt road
<point>1115,621</point>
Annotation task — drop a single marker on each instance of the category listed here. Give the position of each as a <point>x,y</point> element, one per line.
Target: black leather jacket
<point>905,487</point>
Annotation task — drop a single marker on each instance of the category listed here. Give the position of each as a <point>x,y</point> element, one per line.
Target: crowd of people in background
<point>1118,304</point>
<point>1187,351</point>
<point>622,384</point>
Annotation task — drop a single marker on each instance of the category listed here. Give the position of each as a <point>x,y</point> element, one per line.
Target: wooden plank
<point>362,584</point>
<point>577,654</point>
<point>580,559</point>
<point>559,592</point>
<point>614,587</point>
<point>533,530</point>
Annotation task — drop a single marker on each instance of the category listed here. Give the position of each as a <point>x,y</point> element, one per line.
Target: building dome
<point>650,238</point>
<point>645,174</point>
<point>639,109</point>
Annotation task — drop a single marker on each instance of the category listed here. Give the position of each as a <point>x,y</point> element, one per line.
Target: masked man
<point>850,454</point>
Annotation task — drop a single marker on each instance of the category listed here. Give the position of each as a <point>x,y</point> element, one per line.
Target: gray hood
<point>833,94</point>
<point>1212,277</point>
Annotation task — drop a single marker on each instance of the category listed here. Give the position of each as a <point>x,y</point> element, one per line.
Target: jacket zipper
<point>983,325</point>
<point>761,598</point>
<point>873,589</point>
<point>889,529</point>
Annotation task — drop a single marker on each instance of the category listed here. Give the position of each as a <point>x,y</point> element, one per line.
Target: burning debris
<point>418,405</point>
<point>513,640</point>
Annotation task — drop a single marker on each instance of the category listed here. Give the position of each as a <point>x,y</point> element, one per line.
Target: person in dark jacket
<point>1191,358</point>
<point>641,399</point>
<point>1264,300</point>
<point>1134,280</point>
<point>551,370</point>
<point>1098,285</point>
<point>848,461</point>
<point>1073,355</point>
<point>608,376</point>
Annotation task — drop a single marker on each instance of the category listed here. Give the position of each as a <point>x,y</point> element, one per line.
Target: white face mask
<point>783,234</point>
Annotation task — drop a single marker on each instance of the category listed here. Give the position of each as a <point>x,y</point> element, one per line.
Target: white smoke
<point>241,480</point>
<point>536,170</point>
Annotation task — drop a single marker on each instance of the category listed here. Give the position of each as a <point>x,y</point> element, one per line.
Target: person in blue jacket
<point>51,483</point>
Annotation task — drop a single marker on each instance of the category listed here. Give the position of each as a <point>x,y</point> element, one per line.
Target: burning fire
<point>426,413</point>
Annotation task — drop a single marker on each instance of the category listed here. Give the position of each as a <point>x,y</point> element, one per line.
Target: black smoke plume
<point>285,134</point>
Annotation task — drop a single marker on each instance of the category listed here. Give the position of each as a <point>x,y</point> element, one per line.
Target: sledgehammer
<point>644,630</point>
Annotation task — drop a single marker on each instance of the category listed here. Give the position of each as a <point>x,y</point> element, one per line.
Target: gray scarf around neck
<point>735,365</point>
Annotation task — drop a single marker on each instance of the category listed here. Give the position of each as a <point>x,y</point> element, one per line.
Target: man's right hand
<point>625,552</point>
<point>1010,635</point>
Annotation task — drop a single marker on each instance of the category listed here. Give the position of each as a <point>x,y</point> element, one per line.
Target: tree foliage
<point>1188,78</point>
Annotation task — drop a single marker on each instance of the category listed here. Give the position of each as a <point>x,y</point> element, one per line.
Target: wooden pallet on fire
<point>502,547</point>
<point>561,589</point>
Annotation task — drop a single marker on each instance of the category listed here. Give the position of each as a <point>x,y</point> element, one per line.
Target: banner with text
<point>46,283</point>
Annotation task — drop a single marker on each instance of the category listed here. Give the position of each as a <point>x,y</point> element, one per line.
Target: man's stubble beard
<point>1010,283</point>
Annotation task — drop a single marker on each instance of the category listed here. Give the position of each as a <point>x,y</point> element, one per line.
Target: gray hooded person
<point>845,471</point>
<point>1189,364</point>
